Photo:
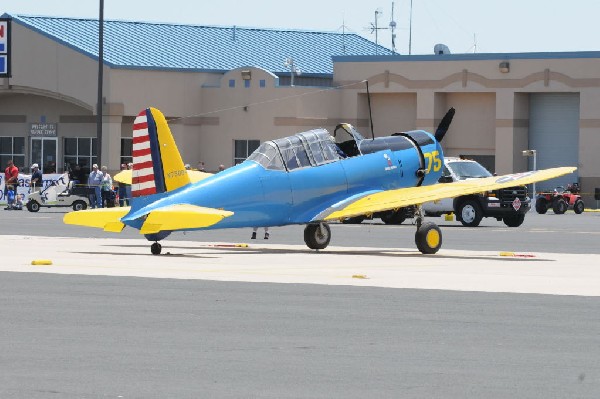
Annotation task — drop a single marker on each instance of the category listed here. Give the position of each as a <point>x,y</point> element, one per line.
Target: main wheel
<point>155,248</point>
<point>79,205</point>
<point>578,207</point>
<point>514,220</point>
<point>541,206</point>
<point>394,217</point>
<point>470,213</point>
<point>317,235</point>
<point>33,206</point>
<point>353,220</point>
<point>559,206</point>
<point>428,238</point>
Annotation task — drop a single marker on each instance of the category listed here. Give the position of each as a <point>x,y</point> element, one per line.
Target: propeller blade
<point>444,124</point>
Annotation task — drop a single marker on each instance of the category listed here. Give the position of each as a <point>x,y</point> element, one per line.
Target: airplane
<point>310,178</point>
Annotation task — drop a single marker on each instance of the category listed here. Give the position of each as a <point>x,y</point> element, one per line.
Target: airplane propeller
<point>442,128</point>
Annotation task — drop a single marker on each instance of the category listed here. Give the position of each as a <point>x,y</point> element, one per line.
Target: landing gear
<point>155,248</point>
<point>428,237</point>
<point>317,235</point>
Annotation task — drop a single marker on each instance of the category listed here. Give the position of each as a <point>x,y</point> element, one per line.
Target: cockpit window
<point>311,148</point>
<point>268,156</point>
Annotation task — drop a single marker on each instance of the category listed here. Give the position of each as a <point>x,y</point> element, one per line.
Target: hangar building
<point>226,89</point>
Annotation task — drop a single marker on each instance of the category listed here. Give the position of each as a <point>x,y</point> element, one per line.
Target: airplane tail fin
<point>157,164</point>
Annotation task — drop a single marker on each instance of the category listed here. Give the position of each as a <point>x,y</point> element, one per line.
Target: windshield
<point>468,170</point>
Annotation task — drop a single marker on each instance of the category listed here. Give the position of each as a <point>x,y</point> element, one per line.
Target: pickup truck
<point>508,205</point>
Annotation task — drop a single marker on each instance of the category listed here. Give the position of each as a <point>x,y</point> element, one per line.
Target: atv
<point>560,200</point>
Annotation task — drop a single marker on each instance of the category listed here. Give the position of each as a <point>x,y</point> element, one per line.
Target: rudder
<point>157,163</point>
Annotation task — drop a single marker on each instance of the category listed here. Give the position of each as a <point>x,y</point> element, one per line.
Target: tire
<point>353,220</point>
<point>428,238</point>
<point>514,220</point>
<point>316,237</point>
<point>79,205</point>
<point>394,217</point>
<point>578,207</point>
<point>541,206</point>
<point>470,213</point>
<point>155,248</point>
<point>559,206</point>
<point>33,206</point>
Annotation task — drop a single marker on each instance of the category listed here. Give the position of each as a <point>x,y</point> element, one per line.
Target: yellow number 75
<point>433,159</point>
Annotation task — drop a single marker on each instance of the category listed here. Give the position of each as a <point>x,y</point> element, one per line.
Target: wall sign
<point>4,47</point>
<point>42,129</point>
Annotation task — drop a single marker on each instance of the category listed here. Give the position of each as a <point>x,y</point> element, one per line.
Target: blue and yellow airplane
<point>309,178</point>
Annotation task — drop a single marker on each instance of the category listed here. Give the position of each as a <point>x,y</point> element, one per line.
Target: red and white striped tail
<point>143,179</point>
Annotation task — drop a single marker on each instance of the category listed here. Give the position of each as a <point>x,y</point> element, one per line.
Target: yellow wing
<point>124,176</point>
<point>172,217</point>
<point>393,199</point>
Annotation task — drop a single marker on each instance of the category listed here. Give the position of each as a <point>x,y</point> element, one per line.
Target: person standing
<point>123,195</point>
<point>95,182</point>
<point>11,178</point>
<point>35,184</point>
<point>255,229</point>
<point>108,200</point>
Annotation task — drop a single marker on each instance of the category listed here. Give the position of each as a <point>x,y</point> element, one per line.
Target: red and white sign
<point>516,204</point>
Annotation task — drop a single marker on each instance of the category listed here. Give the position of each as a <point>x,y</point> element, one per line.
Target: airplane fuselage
<point>259,196</point>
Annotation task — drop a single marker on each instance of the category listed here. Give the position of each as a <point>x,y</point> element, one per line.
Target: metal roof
<point>145,45</point>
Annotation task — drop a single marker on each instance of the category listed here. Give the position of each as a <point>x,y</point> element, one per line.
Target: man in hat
<point>36,178</point>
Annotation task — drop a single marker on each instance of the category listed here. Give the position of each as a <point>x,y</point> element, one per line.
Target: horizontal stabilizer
<point>108,219</point>
<point>180,217</point>
<point>394,199</point>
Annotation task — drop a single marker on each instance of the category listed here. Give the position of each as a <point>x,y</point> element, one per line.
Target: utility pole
<point>100,80</point>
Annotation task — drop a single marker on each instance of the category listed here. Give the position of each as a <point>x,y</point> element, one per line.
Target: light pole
<point>532,153</point>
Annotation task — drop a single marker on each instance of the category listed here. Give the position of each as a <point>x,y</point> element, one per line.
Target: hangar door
<point>554,134</point>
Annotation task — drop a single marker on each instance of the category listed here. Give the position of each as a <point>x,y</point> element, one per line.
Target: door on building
<point>554,134</point>
<point>43,152</point>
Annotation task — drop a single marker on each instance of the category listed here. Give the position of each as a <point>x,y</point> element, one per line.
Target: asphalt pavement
<point>499,312</point>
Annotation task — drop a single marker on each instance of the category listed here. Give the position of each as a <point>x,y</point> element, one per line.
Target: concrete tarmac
<point>460,270</point>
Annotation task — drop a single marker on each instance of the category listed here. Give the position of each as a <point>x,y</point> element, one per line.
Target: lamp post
<point>532,153</point>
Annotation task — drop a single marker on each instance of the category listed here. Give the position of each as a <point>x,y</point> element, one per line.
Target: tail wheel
<point>33,206</point>
<point>428,238</point>
<point>317,236</point>
<point>559,206</point>
<point>578,207</point>
<point>155,248</point>
<point>541,206</point>
<point>470,213</point>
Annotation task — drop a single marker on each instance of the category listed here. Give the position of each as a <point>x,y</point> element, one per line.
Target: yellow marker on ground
<point>360,276</point>
<point>41,262</point>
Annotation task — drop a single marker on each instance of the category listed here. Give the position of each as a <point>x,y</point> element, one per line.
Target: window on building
<point>246,84</point>
<point>126,150</point>
<point>12,148</point>
<point>231,82</point>
<point>263,83</point>
<point>80,151</point>
<point>242,149</point>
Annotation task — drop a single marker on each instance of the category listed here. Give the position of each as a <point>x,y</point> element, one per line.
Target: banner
<point>58,182</point>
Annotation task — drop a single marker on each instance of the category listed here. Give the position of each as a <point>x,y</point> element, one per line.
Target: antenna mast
<point>410,31</point>
<point>393,29</point>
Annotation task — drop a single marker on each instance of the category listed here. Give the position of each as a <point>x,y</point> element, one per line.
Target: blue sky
<point>463,25</point>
